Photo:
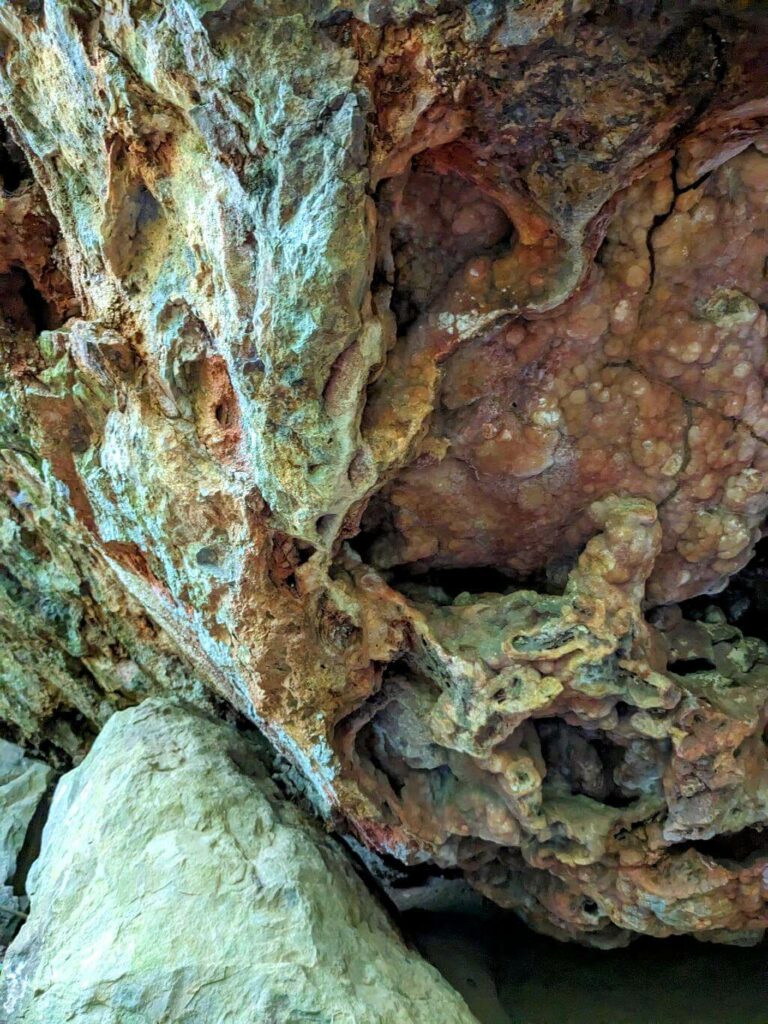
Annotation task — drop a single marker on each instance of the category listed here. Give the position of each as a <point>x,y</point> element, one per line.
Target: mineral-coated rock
<point>176,884</point>
<point>650,386</point>
<point>393,363</point>
<point>23,783</point>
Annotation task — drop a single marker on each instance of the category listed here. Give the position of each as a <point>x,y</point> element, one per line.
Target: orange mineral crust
<point>650,382</point>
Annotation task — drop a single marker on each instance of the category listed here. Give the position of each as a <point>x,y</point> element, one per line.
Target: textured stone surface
<point>652,386</point>
<point>23,783</point>
<point>176,884</point>
<point>381,368</point>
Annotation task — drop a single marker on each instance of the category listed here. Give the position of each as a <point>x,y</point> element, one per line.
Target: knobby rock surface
<point>396,372</point>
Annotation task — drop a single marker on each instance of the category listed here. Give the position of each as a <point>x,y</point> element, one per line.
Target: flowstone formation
<point>397,373</point>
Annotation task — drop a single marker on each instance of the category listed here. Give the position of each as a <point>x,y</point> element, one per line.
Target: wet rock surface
<point>396,374</point>
<point>176,884</point>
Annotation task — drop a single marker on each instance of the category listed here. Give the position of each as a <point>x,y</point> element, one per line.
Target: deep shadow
<point>510,975</point>
<point>745,600</point>
<point>14,168</point>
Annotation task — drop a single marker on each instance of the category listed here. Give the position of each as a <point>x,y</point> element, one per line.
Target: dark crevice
<point>658,220</point>
<point>30,849</point>
<point>682,189</point>
<point>225,414</point>
<point>484,579</point>
<point>369,744</point>
<point>23,307</point>
<point>11,733</point>
<point>422,874</point>
<point>13,915</point>
<point>690,666</point>
<point>410,579</point>
<point>738,846</point>
<point>62,740</point>
<point>584,761</point>
<point>55,746</point>
<point>744,602</point>
<point>39,310</point>
<point>13,166</point>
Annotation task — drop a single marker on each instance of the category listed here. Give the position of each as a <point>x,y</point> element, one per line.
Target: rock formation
<point>175,884</point>
<point>23,784</point>
<point>393,371</point>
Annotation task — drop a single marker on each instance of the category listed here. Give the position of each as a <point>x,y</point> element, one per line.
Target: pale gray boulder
<point>23,782</point>
<point>176,885</point>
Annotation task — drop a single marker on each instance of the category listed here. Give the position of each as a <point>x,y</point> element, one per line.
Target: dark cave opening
<point>24,308</point>
<point>584,760</point>
<point>736,846</point>
<point>375,748</point>
<point>690,666</point>
<point>39,310</point>
<point>14,168</point>
<point>482,579</point>
<point>65,738</point>
<point>447,583</point>
<point>744,601</point>
<point>509,974</point>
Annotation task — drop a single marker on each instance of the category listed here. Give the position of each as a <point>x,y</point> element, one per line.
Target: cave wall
<point>392,372</point>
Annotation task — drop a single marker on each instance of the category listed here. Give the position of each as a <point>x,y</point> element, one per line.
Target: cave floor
<point>509,975</point>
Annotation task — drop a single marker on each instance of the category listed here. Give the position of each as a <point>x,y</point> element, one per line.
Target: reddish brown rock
<point>418,372</point>
<point>650,383</point>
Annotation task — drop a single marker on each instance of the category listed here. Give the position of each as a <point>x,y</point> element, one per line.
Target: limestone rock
<point>381,367</point>
<point>176,884</point>
<point>23,783</point>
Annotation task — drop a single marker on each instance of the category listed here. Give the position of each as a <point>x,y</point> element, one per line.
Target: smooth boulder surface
<point>175,885</point>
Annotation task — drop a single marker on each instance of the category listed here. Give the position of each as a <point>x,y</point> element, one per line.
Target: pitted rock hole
<point>440,221</point>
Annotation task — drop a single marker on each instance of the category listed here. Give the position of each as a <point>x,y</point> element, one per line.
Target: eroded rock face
<point>176,884</point>
<point>400,370</point>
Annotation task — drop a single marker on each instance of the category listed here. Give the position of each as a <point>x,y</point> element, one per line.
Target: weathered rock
<point>175,884</point>
<point>23,783</point>
<point>407,354</point>
<point>650,381</point>
<point>74,645</point>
